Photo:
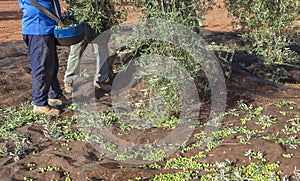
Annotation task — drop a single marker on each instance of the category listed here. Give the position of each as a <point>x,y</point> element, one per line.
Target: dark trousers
<point>44,68</point>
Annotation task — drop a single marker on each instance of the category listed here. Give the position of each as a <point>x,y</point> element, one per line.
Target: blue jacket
<point>35,22</point>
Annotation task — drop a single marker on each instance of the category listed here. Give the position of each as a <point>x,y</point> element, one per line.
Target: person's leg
<point>76,51</point>
<point>103,65</point>
<point>73,65</point>
<point>41,68</point>
<point>55,90</point>
<point>41,71</point>
<point>102,53</point>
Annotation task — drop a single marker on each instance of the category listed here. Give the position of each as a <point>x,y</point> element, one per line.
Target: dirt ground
<point>242,84</point>
<point>13,52</point>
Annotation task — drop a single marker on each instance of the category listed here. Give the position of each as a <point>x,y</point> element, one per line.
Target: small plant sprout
<point>292,141</point>
<point>295,124</point>
<point>244,106</point>
<point>244,139</point>
<point>296,174</point>
<point>282,104</point>
<point>266,121</point>
<point>51,130</point>
<point>252,154</point>
<point>249,154</point>
<point>253,112</point>
<point>22,144</point>
<point>3,150</point>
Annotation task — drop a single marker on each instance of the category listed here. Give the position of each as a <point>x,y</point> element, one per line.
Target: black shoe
<point>103,86</point>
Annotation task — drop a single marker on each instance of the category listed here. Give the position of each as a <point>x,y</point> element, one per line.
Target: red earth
<point>84,163</point>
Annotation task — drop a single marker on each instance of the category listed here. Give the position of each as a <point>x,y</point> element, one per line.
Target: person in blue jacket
<point>37,30</point>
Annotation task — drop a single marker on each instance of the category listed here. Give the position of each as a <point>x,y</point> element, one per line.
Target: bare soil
<point>81,160</point>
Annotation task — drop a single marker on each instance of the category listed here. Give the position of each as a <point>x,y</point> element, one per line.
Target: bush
<point>270,26</point>
<point>189,13</point>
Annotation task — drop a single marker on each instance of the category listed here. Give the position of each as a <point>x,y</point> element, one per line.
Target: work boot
<point>58,102</point>
<point>68,87</point>
<point>46,110</point>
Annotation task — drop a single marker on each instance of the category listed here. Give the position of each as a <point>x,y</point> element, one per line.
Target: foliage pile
<point>280,128</point>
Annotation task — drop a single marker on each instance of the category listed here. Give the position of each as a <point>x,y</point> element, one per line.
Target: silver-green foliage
<point>188,13</point>
<point>99,14</point>
<point>271,27</point>
<point>191,13</point>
